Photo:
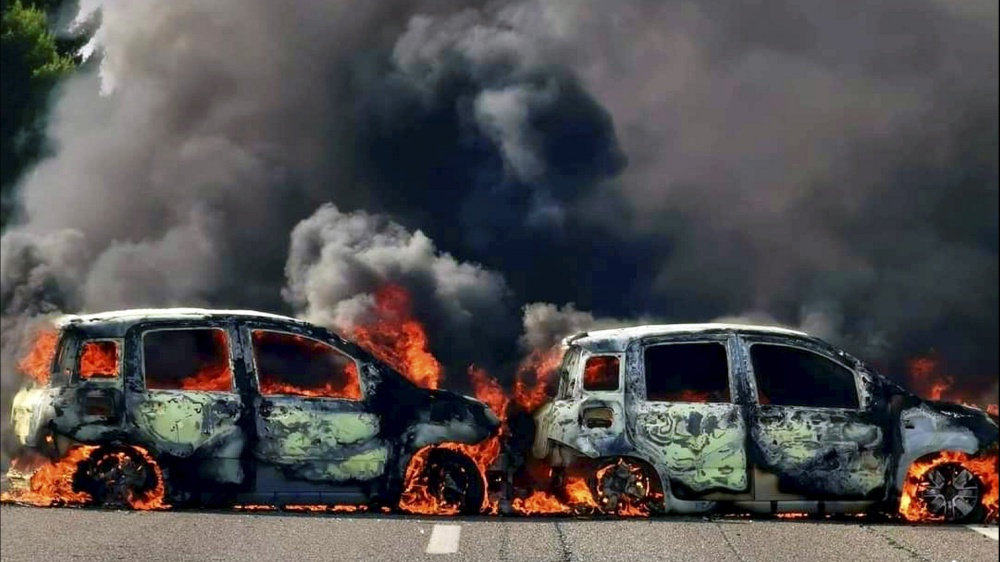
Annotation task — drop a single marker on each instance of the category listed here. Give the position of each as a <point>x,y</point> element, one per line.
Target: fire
<point>216,376</point>
<point>792,515</point>
<point>349,387</point>
<point>417,497</point>
<point>535,375</point>
<point>398,339</point>
<point>99,360</point>
<point>51,482</point>
<point>927,381</point>
<point>212,378</point>
<point>912,505</point>
<point>37,364</point>
<point>341,382</point>
<point>540,503</point>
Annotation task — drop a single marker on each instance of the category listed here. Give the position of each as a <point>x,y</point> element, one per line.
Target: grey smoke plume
<point>338,260</point>
<point>545,324</point>
<point>826,164</point>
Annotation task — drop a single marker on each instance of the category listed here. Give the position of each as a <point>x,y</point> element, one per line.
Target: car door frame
<point>798,480</point>
<point>733,412</point>
<point>219,456</point>
<point>259,403</point>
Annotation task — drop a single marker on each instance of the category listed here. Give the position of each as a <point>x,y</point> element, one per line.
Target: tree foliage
<point>32,61</point>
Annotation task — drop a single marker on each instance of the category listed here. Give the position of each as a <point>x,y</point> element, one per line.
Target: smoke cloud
<point>827,166</point>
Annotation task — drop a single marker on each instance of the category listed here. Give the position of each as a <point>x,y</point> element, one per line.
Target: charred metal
<point>235,442</point>
<point>754,418</point>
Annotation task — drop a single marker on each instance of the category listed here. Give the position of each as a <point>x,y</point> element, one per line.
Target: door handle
<point>266,408</point>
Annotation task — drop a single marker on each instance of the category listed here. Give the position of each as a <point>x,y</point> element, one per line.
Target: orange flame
<point>51,482</point>
<point>215,376</point>
<point>926,380</point>
<point>417,497</point>
<point>535,375</point>
<point>37,363</point>
<point>99,360</point>
<point>984,466</point>
<point>399,340</point>
<point>601,373</point>
<point>344,384</point>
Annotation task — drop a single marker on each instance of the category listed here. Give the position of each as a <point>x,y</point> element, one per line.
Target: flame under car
<point>177,407</point>
<point>698,418</point>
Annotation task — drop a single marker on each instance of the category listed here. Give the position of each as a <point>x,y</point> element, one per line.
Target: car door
<point>182,397</point>
<point>684,414</point>
<point>312,422</point>
<point>810,431</point>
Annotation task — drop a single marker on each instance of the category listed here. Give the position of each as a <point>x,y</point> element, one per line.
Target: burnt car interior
<point>687,372</point>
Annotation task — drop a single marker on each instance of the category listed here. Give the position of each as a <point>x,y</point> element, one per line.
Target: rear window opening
<point>289,364</point>
<point>601,373</point>
<point>99,359</point>
<point>687,372</point>
<point>193,359</point>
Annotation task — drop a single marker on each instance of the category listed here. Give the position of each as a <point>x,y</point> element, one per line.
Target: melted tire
<point>115,477</point>
<point>455,480</point>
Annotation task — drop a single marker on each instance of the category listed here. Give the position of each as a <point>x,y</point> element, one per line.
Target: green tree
<point>31,63</point>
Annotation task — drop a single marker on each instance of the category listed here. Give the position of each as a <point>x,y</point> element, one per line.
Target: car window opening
<point>788,376</point>
<point>601,373</point>
<point>194,359</point>
<point>289,364</point>
<point>99,360</point>
<point>687,372</point>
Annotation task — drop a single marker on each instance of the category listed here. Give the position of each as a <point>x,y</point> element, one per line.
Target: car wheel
<point>454,481</point>
<point>952,493</point>
<point>116,478</point>
<point>624,487</point>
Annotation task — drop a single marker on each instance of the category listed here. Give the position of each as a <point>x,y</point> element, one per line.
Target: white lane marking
<point>991,532</point>
<point>444,539</point>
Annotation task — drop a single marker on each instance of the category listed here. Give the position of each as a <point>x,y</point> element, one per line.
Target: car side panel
<point>818,453</point>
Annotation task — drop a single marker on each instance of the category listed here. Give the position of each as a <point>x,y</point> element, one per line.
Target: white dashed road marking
<point>990,532</point>
<point>444,539</point>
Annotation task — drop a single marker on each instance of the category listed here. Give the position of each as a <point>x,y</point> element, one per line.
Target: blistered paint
<point>828,452</point>
<point>365,465</point>
<point>29,407</point>
<point>925,431</point>
<point>700,445</point>
<point>295,433</point>
<point>181,422</point>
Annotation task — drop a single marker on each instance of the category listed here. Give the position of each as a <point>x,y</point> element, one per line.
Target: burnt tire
<point>622,486</point>
<point>454,480</point>
<point>951,493</point>
<point>116,477</point>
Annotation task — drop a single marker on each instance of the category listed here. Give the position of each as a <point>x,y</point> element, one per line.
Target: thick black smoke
<point>826,165</point>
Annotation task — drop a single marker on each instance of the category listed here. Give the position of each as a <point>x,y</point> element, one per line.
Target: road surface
<point>33,534</point>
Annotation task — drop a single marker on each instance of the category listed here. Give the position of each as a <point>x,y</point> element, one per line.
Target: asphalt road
<point>33,534</point>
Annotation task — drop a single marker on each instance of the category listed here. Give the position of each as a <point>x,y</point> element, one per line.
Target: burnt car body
<point>751,418</point>
<point>239,407</point>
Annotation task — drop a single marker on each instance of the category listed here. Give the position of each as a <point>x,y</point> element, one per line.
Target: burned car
<point>215,407</point>
<point>693,418</point>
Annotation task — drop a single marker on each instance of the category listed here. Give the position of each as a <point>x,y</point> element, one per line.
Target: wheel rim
<point>449,483</point>
<point>622,487</point>
<point>119,479</point>
<point>950,491</point>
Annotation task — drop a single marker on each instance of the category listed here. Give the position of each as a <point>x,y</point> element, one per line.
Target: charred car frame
<point>693,418</point>
<point>219,407</point>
